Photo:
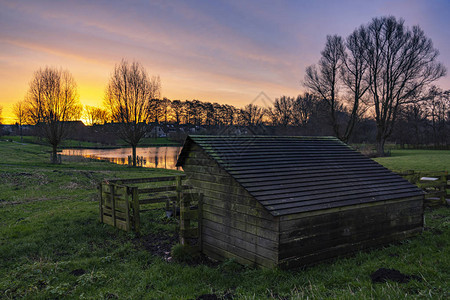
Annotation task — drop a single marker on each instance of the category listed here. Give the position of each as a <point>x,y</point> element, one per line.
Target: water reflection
<point>149,157</point>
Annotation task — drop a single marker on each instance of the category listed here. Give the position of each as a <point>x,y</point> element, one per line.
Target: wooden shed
<point>292,201</point>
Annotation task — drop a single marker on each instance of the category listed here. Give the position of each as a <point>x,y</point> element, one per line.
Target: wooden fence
<point>435,185</point>
<point>122,201</point>
<point>191,207</point>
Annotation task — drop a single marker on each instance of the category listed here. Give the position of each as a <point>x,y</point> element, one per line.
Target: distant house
<point>157,131</point>
<point>292,201</point>
<point>7,129</point>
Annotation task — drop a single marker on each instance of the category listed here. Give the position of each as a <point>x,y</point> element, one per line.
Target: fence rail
<point>122,201</point>
<point>436,185</point>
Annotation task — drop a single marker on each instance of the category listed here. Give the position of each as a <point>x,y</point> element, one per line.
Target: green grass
<point>49,228</point>
<point>145,142</point>
<point>417,160</point>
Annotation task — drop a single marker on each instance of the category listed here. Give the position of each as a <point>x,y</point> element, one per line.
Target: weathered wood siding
<point>234,224</point>
<point>307,238</point>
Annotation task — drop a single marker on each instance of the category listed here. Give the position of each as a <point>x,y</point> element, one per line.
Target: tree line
<point>382,72</point>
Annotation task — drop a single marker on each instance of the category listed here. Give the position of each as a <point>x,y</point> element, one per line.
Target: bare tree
<point>165,109</point>
<point>303,108</point>
<point>401,61</point>
<point>155,110</point>
<point>1,119</point>
<point>128,96</point>
<point>228,114</point>
<point>354,71</point>
<point>177,110</point>
<point>51,104</point>
<point>324,81</point>
<point>281,113</point>
<point>438,107</point>
<point>252,115</point>
<point>19,111</point>
<point>95,115</point>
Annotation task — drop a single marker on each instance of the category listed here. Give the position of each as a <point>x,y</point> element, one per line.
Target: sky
<point>219,51</point>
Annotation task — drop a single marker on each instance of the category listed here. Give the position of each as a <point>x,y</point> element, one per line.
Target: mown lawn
<point>417,160</point>
<point>52,246</point>
<point>145,142</point>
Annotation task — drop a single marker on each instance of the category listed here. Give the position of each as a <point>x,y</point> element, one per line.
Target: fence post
<point>179,195</point>
<point>127,209</point>
<point>184,221</point>
<point>113,203</point>
<point>100,198</point>
<point>442,187</point>
<point>136,214</point>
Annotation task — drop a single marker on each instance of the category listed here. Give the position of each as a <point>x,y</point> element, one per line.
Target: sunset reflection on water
<point>152,157</point>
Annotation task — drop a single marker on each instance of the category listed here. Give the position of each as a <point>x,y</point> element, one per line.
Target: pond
<point>149,157</point>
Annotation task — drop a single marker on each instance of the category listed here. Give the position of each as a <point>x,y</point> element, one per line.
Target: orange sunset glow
<point>218,52</point>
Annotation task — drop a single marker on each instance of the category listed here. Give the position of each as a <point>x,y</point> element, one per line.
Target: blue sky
<point>223,51</point>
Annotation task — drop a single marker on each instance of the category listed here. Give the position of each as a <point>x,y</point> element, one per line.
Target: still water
<point>150,157</point>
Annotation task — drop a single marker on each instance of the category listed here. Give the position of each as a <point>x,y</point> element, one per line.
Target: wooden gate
<point>122,201</point>
<point>115,206</point>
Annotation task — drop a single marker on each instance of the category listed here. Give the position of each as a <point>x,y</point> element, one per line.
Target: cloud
<point>226,50</point>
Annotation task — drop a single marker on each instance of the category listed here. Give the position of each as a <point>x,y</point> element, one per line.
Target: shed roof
<point>290,175</point>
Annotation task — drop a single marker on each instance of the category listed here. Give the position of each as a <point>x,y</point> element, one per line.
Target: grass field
<point>52,245</point>
<point>417,160</point>
<point>145,142</point>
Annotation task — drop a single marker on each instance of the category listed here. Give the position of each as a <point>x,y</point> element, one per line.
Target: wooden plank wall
<point>234,224</point>
<point>310,237</point>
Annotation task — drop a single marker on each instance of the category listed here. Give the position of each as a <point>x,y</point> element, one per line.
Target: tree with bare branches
<point>354,72</point>
<point>128,96</point>
<point>324,79</point>
<point>95,115</point>
<point>1,119</point>
<point>282,110</point>
<point>402,62</point>
<point>19,110</point>
<point>52,104</point>
<point>177,110</point>
<point>252,115</point>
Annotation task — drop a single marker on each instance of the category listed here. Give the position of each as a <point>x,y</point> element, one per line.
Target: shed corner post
<point>200,221</point>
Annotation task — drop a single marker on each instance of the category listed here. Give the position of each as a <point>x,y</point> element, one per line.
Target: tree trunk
<point>380,145</point>
<point>54,154</point>
<point>134,155</point>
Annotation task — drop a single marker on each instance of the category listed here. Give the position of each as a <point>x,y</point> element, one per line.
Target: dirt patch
<point>383,275</point>
<point>77,272</point>
<point>23,179</point>
<point>208,297</point>
<point>161,243</point>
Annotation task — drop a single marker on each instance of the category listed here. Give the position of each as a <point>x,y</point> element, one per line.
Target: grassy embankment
<point>145,142</point>
<point>52,246</point>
